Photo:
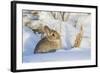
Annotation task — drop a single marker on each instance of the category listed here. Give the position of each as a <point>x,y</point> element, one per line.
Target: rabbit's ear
<point>46,29</point>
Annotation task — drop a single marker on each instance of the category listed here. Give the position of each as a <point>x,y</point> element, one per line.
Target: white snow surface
<point>30,41</point>
<point>68,30</point>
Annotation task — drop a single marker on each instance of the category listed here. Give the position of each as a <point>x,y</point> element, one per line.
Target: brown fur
<point>50,43</point>
<point>79,38</point>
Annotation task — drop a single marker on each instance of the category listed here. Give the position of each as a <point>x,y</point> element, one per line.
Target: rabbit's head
<point>51,34</point>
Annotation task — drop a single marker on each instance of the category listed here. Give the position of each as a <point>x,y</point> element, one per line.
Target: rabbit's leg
<point>48,50</point>
<point>44,51</point>
<point>53,50</point>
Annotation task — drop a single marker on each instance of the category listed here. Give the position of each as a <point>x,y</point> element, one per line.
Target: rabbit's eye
<point>53,34</point>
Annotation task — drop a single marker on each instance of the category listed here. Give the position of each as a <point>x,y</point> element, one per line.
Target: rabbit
<point>79,38</point>
<point>50,43</point>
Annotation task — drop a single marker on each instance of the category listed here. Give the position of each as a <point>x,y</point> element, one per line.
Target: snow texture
<point>68,29</point>
<point>30,41</point>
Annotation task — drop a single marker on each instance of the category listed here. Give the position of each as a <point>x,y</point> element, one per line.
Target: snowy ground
<point>68,25</point>
<point>30,40</point>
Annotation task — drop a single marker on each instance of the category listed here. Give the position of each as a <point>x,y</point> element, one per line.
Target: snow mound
<point>60,55</point>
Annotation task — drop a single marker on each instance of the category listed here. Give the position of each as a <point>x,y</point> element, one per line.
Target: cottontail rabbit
<point>50,43</point>
<point>79,38</point>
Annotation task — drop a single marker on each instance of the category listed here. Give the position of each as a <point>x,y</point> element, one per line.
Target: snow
<point>30,41</point>
<point>67,29</point>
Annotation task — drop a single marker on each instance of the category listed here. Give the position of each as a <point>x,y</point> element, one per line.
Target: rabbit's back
<point>46,46</point>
